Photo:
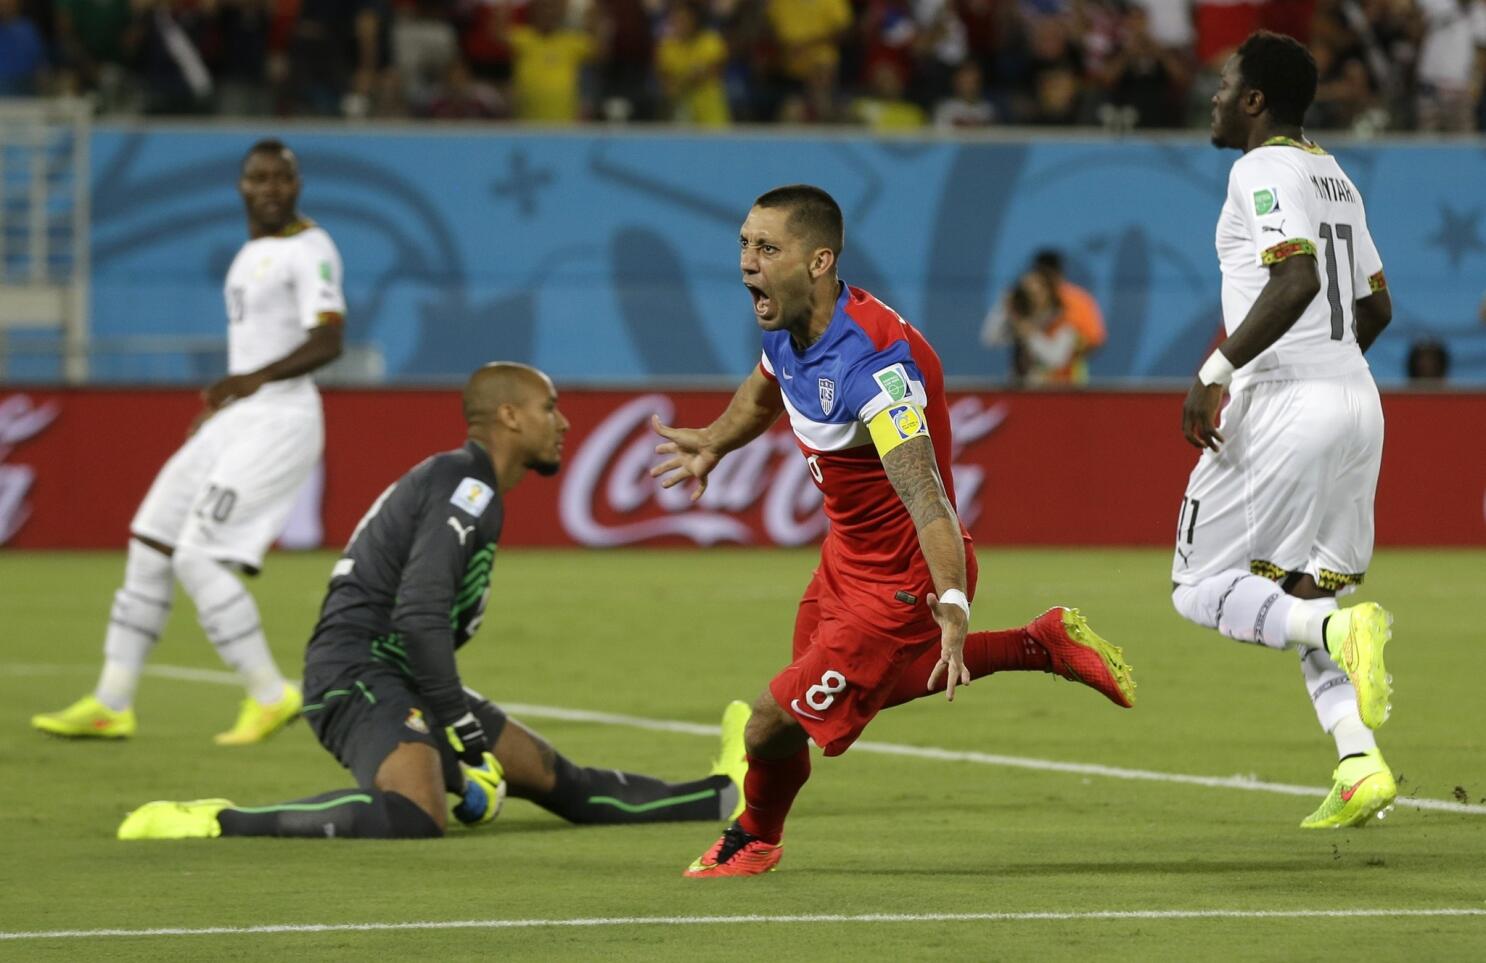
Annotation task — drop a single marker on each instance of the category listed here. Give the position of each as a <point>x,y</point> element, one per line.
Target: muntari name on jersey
<point>472,496</point>
<point>1333,189</point>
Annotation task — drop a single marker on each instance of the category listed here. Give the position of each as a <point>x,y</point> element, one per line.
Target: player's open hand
<point>953,623</point>
<point>230,388</point>
<point>1200,415</point>
<point>691,457</point>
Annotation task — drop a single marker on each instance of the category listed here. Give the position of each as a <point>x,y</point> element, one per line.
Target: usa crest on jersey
<point>827,395</point>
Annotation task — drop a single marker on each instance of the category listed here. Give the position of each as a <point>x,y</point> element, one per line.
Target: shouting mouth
<point>761,301</point>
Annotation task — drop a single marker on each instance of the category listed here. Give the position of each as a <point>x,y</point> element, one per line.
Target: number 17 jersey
<point>1285,199</point>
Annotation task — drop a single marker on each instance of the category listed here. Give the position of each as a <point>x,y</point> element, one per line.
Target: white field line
<point>751,920</point>
<point>520,709</point>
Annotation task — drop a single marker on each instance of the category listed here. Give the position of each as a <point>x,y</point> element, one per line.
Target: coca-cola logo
<point>609,498</point>
<point>20,420</point>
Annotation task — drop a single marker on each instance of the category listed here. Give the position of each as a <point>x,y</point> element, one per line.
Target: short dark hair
<point>1048,259</point>
<point>1281,69</point>
<point>813,214</point>
<point>270,145</point>
<point>1428,358</point>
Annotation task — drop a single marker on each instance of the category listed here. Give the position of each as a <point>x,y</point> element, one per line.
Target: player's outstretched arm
<point>694,452</point>
<point>911,468</point>
<point>1293,284</point>
<point>322,346</point>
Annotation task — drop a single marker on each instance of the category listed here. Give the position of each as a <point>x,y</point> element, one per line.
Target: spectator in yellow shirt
<point>690,60</point>
<point>809,33</point>
<point>548,58</point>
<point>885,108</point>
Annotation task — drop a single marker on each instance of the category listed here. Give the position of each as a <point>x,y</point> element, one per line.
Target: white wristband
<point>1216,370</point>
<point>955,597</point>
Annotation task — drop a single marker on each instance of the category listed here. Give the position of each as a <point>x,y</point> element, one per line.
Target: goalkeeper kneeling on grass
<point>382,688</point>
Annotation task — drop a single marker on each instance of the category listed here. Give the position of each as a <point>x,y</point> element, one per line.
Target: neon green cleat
<point>1355,638</point>
<point>256,721</point>
<point>1362,787</point>
<point>87,718</point>
<point>732,756</point>
<point>175,820</point>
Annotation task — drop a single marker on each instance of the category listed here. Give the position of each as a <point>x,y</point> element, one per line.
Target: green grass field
<point>673,635</point>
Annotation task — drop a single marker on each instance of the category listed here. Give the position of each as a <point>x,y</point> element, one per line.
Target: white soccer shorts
<point>229,489</point>
<point>1292,489</point>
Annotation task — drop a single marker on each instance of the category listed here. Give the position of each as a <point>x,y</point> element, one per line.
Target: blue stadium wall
<point>612,259</point>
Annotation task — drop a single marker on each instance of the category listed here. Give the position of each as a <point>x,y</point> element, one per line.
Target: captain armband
<point>896,424</point>
<point>1376,283</point>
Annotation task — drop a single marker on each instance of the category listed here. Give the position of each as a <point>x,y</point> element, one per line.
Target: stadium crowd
<point>884,64</point>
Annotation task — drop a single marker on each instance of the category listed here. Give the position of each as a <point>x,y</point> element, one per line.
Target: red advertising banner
<point>1087,468</point>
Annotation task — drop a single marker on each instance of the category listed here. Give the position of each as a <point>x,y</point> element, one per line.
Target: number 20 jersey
<point>1287,199</point>
<point>869,361</point>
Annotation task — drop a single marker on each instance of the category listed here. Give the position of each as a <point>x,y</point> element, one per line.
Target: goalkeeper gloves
<point>467,737</point>
<point>484,793</point>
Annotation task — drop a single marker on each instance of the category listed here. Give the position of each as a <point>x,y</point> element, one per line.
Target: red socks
<point>1006,650</point>
<point>770,788</point>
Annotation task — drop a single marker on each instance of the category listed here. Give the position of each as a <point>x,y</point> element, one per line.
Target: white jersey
<point>277,289</point>
<point>1286,199</point>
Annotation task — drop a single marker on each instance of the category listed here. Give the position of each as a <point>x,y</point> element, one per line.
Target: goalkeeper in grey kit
<point>382,688</point>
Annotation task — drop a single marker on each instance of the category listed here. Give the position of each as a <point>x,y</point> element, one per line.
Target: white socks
<point>1241,606</point>
<point>229,617</point>
<point>1352,736</point>
<point>1250,608</point>
<point>1333,697</point>
<point>140,609</point>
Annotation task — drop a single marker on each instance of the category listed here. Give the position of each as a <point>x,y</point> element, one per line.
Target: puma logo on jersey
<point>1278,230</point>
<point>462,531</point>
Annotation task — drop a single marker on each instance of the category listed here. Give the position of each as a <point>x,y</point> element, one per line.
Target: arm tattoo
<point>911,469</point>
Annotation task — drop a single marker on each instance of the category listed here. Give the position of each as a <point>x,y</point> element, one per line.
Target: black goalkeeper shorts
<point>365,712</point>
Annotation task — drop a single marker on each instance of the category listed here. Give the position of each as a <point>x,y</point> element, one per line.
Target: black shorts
<point>365,712</point>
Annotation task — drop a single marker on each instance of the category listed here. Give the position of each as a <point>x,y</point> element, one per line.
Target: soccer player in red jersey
<point>885,618</point>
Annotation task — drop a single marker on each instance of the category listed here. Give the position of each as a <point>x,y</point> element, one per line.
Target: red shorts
<point>844,670</point>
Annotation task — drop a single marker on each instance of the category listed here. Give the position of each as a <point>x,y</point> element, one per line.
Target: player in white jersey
<point>1278,514</point>
<point>222,498</point>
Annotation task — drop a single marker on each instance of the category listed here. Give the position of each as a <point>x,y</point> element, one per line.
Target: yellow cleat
<point>87,718</point>
<point>256,721</point>
<point>1355,638</point>
<point>175,820</point>
<point>732,755</point>
<point>1362,787</point>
